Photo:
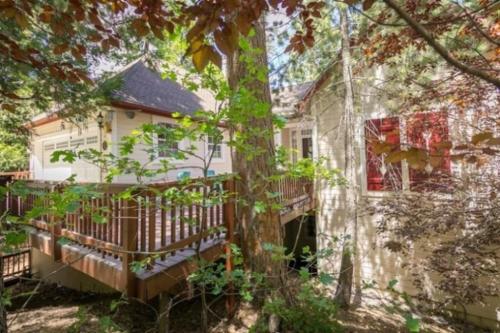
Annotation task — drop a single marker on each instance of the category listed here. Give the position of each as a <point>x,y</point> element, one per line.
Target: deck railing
<point>16,175</point>
<point>16,264</point>
<point>133,227</point>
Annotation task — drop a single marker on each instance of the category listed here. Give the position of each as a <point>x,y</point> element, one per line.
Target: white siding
<point>372,261</point>
<point>55,134</point>
<point>125,126</point>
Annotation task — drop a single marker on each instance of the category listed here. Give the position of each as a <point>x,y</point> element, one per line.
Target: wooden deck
<point>147,226</point>
<point>16,264</point>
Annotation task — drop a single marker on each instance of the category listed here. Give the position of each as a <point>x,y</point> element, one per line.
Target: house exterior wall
<point>295,130</point>
<point>45,140</point>
<point>372,261</point>
<point>119,126</point>
<point>125,126</point>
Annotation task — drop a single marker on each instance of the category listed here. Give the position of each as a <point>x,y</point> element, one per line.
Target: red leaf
<point>367,4</point>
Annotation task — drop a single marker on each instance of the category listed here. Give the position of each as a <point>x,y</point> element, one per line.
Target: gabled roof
<point>286,99</point>
<point>317,84</point>
<point>144,88</point>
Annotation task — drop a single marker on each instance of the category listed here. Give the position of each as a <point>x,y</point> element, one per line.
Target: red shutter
<point>434,124</point>
<point>376,179</point>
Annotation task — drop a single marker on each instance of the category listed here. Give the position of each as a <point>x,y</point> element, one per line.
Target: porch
<point>146,226</point>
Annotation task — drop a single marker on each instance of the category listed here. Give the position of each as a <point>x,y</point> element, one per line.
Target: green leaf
<point>267,246</point>
<point>259,207</point>
<point>412,324</point>
<point>392,284</point>
<point>325,278</point>
<point>246,296</point>
<point>14,238</point>
<point>114,305</point>
<point>99,219</point>
<point>63,241</point>
<point>304,274</point>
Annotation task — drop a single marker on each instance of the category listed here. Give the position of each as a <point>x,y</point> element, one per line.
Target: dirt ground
<point>56,309</point>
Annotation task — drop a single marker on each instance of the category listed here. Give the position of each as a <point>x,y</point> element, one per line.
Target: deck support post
<point>55,230</point>
<point>129,245</point>
<point>164,305</point>
<point>229,216</point>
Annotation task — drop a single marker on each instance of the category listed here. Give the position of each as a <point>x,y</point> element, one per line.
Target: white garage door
<point>61,170</point>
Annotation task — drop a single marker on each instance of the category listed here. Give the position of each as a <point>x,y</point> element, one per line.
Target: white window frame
<point>210,146</point>
<point>405,168</point>
<point>158,120</point>
<point>158,140</point>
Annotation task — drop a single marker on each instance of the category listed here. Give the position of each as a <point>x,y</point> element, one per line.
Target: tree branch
<point>426,35</point>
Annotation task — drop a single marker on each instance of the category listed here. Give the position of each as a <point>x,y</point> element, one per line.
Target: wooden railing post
<point>55,231</point>
<point>229,217</point>
<point>129,244</point>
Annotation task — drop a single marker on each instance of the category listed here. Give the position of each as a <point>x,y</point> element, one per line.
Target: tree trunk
<point>255,229</point>
<point>344,287</point>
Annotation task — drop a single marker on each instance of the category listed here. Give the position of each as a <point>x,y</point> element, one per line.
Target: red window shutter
<point>377,180</point>
<point>434,125</point>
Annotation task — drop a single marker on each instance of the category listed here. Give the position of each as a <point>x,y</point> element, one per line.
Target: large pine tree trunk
<point>345,281</point>
<point>256,229</point>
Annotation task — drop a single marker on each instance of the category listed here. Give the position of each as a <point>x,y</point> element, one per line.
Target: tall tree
<point>254,158</point>
<point>345,281</point>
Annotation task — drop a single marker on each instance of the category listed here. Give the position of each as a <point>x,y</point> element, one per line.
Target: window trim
<point>405,168</point>
<point>157,142</point>
<point>157,120</point>
<point>208,150</point>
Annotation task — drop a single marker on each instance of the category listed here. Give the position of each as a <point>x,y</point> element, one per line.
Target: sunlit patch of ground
<point>56,309</point>
<point>48,319</point>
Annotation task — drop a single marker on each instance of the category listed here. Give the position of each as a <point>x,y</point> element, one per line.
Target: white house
<point>143,97</point>
<point>297,133</point>
<point>322,108</point>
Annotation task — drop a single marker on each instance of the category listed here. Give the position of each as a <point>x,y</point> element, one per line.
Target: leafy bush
<point>311,311</point>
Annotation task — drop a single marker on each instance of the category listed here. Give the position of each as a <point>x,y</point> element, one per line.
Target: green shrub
<point>311,311</point>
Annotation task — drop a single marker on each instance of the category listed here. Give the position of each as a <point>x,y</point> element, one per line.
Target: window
<point>77,143</point>
<point>306,143</point>
<point>62,145</point>
<point>92,140</point>
<point>307,147</point>
<point>381,176</point>
<point>306,132</point>
<point>48,147</point>
<point>166,141</point>
<point>425,132</point>
<point>216,148</point>
<point>429,132</point>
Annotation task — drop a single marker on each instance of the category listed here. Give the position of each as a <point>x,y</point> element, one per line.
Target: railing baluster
<point>163,227</point>
<point>129,230</point>
<point>190,219</point>
<point>142,205</point>
<point>152,223</point>
<point>182,218</point>
<point>173,219</point>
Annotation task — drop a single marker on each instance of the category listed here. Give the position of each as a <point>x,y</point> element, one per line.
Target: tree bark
<point>345,280</point>
<point>256,229</point>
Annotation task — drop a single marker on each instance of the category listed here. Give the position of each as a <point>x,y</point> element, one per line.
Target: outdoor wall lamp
<point>130,114</point>
<point>100,120</point>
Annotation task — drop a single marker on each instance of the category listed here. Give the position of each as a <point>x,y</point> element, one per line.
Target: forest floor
<point>55,309</point>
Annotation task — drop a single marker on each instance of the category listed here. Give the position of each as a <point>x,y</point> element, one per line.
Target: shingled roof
<point>286,99</point>
<point>143,87</point>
